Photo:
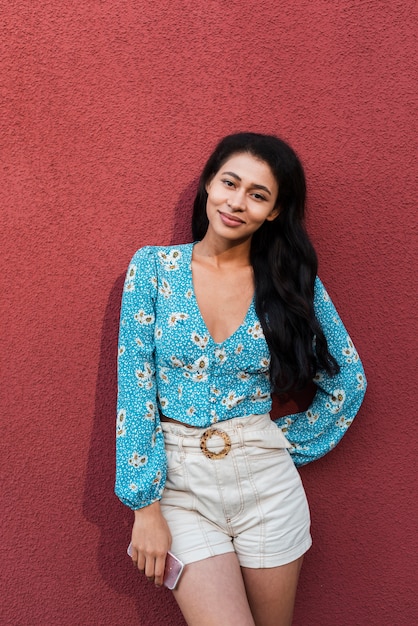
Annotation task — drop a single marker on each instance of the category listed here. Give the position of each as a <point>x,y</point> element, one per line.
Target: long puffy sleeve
<point>140,455</point>
<point>316,431</point>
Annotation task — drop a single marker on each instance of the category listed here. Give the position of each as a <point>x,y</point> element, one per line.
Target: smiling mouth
<point>231,218</point>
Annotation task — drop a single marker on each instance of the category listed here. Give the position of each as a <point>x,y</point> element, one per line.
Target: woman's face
<point>241,197</point>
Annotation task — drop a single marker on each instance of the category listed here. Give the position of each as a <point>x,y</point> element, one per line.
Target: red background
<point>109,110</point>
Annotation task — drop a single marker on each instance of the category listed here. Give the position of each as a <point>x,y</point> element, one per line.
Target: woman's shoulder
<point>165,254</point>
<point>169,257</point>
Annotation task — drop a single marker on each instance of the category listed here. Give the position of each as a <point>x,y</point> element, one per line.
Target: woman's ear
<point>273,214</point>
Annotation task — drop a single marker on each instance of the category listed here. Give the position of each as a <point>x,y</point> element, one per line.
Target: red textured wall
<point>108,112</point>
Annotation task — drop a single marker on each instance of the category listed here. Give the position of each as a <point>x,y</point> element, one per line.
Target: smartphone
<point>173,569</point>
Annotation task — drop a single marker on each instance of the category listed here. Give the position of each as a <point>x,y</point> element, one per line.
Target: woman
<point>208,331</point>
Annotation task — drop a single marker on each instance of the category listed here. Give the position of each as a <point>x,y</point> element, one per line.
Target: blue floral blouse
<point>169,363</point>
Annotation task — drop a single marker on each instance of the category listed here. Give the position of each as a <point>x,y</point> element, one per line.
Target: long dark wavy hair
<point>284,263</point>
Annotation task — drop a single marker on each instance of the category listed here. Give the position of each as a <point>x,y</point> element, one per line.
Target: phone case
<point>173,569</point>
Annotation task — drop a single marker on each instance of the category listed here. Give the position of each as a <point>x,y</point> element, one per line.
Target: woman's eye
<point>228,183</point>
<point>259,196</point>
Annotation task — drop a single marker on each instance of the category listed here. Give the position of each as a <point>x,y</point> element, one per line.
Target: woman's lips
<point>230,220</point>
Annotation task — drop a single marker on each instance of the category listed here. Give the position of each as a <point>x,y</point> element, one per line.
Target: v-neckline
<point>199,312</point>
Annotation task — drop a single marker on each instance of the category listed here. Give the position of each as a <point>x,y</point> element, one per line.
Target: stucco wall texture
<point>108,112</point>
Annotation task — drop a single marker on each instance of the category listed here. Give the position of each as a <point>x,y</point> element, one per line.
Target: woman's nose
<point>236,201</point>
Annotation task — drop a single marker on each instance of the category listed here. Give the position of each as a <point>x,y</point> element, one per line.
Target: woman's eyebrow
<point>253,185</point>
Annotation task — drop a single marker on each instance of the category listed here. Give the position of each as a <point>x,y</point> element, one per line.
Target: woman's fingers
<point>159,570</point>
<point>153,567</point>
<point>149,568</point>
<point>140,563</point>
<point>138,560</point>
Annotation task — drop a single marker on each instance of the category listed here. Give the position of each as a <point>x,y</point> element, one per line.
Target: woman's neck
<point>223,252</point>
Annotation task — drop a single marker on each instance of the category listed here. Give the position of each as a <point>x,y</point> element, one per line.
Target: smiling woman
<point>243,194</point>
<point>209,330</point>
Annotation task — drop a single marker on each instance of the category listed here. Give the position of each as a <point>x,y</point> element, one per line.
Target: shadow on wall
<point>182,223</point>
<point>101,507</point>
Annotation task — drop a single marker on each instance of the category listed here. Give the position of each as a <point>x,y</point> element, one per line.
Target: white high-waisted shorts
<point>250,501</point>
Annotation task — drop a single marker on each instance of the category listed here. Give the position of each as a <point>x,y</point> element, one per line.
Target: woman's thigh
<point>271,593</point>
<point>212,592</point>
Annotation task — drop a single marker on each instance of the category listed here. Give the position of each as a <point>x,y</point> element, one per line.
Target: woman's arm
<point>316,431</point>
<point>150,541</point>
<point>140,455</point>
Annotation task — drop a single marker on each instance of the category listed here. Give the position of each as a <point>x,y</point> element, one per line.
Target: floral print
<point>256,331</point>
<point>202,342</point>
<point>120,423</point>
<point>232,400</point>
<point>144,318</point>
<point>145,376</point>
<point>130,278</point>
<point>350,352</point>
<point>165,289</point>
<point>168,363</point>
<point>150,414</point>
<point>169,260</point>
<point>176,317</point>
<point>312,417</point>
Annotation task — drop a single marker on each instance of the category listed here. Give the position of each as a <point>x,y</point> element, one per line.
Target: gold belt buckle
<point>208,434</point>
